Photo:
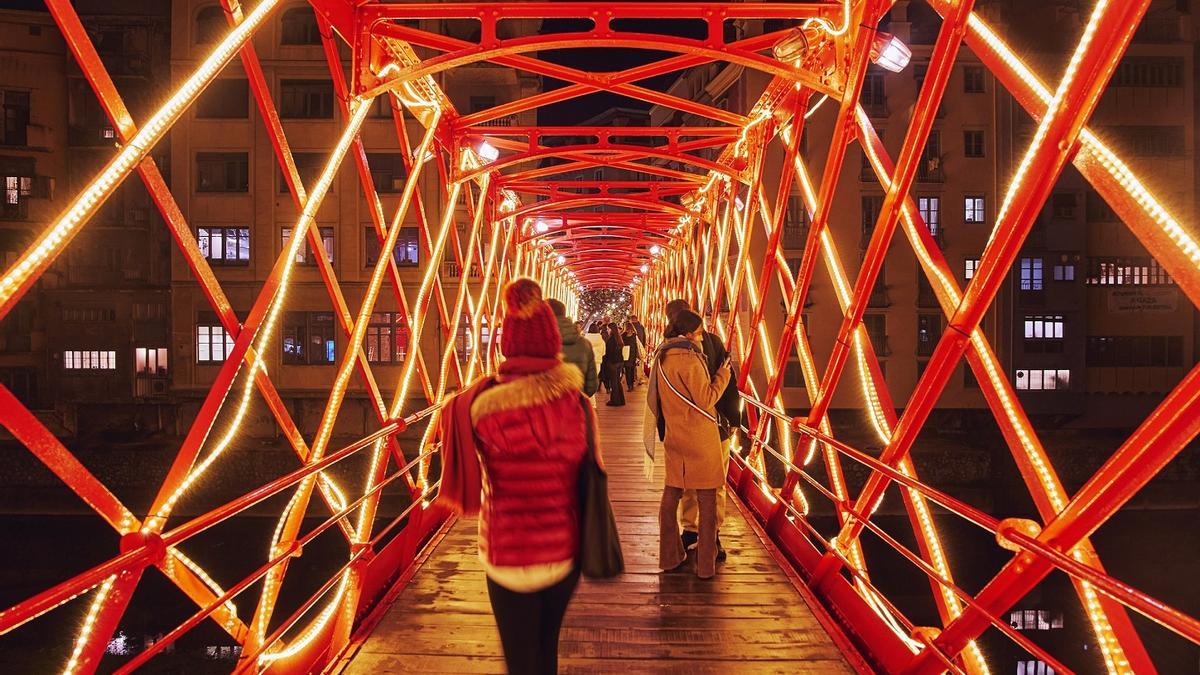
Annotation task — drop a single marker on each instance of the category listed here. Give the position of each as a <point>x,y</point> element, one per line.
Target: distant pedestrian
<point>614,364</point>
<point>630,337</point>
<point>576,350</point>
<point>512,447</point>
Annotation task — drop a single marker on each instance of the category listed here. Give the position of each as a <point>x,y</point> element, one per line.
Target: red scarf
<point>462,479</point>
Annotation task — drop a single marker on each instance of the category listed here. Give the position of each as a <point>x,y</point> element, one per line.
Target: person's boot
<point>721,554</point>
<point>690,539</point>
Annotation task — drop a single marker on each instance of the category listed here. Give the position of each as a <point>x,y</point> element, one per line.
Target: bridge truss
<point>510,204</point>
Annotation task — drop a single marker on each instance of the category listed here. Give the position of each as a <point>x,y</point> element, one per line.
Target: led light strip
<point>56,237</point>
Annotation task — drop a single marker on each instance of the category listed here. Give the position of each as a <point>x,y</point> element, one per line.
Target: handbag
<point>600,554</point>
<point>625,353</point>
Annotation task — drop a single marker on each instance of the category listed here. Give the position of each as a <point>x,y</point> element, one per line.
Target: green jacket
<point>577,351</point>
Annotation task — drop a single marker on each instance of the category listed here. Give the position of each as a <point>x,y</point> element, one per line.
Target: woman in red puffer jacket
<point>529,428</point>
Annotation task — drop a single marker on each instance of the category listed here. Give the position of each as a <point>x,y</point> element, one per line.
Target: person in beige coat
<point>693,451</point>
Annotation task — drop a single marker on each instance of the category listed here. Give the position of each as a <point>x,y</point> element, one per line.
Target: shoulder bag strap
<point>685,399</point>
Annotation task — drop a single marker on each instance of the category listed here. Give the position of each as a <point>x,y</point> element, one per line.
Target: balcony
<point>506,121</point>
<point>150,386</point>
<point>451,269</point>
<point>930,170</point>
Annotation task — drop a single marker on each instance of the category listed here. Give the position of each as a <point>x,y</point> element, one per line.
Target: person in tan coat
<point>687,397</point>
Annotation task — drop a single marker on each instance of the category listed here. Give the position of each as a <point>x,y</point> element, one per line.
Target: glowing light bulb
<point>561,259</point>
<point>542,227</point>
<point>739,204</point>
<point>488,151</point>
<point>644,268</point>
<point>890,53</point>
<point>655,249</point>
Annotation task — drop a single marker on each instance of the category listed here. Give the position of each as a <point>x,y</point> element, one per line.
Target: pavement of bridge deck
<point>749,619</point>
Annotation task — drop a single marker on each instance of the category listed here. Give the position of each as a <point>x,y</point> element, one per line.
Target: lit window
<point>408,247</point>
<point>1133,271</point>
<point>974,209</point>
<point>83,359</point>
<point>1043,379</point>
<point>386,340</point>
<point>213,344</point>
<point>1035,619</point>
<point>306,256</point>
<point>970,266</point>
<point>1031,274</point>
<point>150,360</point>
<point>309,338</point>
<point>930,209</point>
<point>224,245</point>
<point>1044,334</point>
<point>1034,668</point>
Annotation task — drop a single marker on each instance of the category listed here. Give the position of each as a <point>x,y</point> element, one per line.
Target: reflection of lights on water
<point>119,645</point>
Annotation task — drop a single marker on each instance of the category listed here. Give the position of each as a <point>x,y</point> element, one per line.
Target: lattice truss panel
<point>510,202</point>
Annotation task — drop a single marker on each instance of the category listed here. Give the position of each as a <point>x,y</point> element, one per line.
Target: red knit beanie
<point>530,328</point>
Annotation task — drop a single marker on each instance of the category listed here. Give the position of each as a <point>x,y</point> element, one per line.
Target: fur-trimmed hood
<point>527,391</point>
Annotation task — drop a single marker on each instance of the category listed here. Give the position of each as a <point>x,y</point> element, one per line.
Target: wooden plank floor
<point>748,619</point>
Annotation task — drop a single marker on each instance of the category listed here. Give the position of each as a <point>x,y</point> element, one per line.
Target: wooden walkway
<point>748,619</point>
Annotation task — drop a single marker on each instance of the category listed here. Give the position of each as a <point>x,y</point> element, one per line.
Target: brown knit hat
<point>530,328</point>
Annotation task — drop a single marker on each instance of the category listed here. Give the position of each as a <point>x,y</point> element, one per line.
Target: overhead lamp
<point>488,151</point>
<point>793,46</point>
<point>542,227</point>
<point>889,52</point>
<point>739,204</point>
<point>644,268</point>
<point>655,249</point>
<point>562,259</point>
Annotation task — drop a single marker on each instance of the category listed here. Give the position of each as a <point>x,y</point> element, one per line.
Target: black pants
<point>631,373</point>
<point>529,624</point>
<point>612,373</point>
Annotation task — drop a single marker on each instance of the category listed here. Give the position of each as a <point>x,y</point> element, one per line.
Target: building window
<point>930,168</point>
<point>309,339</point>
<point>1149,140</point>
<point>1044,334</point>
<point>387,171</point>
<point>1133,271</point>
<point>386,340</point>
<point>871,206</point>
<point>306,99</point>
<point>973,143</point>
<point>793,374</point>
<point>224,245</point>
<point>1064,273</point>
<point>970,265</point>
<point>408,247</point>
<point>874,100</point>
<point>306,256</point>
<point>1043,379</point>
<point>210,25</point>
<point>973,79</point>
<point>876,325</point>
<point>300,27</point>
<point>225,99</point>
<point>1148,71</point>
<point>76,359</point>
<point>15,105</point>
<point>931,212</point>
<point>795,224</point>
<point>308,166</point>
<point>1135,351</point>
<point>973,207</point>
<point>1031,274</point>
<point>1098,210</point>
<point>1064,204</point>
<point>929,331</point>
<point>1033,667</point>
<point>89,314</point>
<point>213,344</point>
<point>16,177</point>
<point>1035,619</point>
<point>222,172</point>
<point>150,360</point>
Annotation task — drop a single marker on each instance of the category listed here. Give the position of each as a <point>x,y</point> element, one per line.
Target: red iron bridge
<point>704,222</point>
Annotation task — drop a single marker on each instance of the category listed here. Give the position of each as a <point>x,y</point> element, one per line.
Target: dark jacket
<point>640,330</point>
<point>729,405</point>
<point>632,342</point>
<point>613,350</point>
<point>532,433</point>
<point>578,352</point>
